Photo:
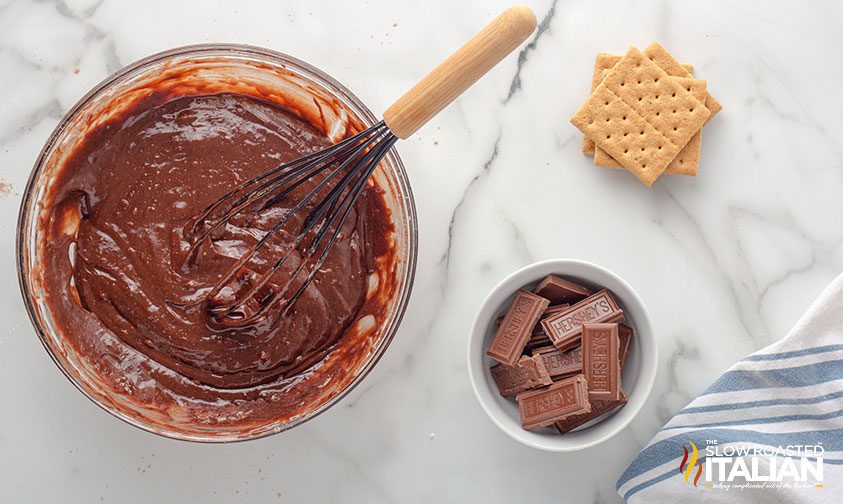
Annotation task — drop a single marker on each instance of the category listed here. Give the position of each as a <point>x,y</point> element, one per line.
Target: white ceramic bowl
<point>638,375</point>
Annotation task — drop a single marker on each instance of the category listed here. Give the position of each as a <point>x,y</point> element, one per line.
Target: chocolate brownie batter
<point>123,292</point>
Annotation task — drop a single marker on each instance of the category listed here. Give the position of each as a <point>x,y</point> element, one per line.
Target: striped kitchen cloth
<point>770,429</point>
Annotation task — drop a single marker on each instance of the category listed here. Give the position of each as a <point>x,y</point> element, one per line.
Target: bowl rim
<point>277,57</point>
<point>647,376</point>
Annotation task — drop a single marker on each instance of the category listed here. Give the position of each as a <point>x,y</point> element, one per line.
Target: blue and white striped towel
<point>788,394</point>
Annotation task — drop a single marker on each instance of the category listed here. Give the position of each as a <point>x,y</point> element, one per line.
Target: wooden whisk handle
<point>462,69</point>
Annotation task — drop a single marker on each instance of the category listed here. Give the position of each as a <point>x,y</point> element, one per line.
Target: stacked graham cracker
<point>645,114</point>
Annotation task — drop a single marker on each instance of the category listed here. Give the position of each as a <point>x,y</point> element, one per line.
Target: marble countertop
<point>726,261</point>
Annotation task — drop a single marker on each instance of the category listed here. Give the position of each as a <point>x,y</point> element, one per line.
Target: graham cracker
<point>644,135</point>
<point>687,161</point>
<point>662,58</point>
<point>602,63</point>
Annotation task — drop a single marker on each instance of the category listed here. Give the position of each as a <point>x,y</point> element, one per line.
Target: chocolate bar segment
<point>559,363</point>
<point>550,311</point>
<point>554,309</point>
<point>542,407</point>
<point>528,373</point>
<point>516,327</point>
<point>558,290</point>
<point>601,361</point>
<point>598,408</point>
<point>565,327</point>
<point>626,334</point>
<point>537,340</point>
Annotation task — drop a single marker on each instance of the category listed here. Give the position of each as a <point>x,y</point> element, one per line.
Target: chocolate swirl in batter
<point>116,251</point>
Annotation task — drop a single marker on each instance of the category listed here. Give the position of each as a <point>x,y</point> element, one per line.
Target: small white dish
<point>638,375</point>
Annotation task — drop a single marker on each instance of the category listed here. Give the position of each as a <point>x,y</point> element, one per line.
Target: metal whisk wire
<point>302,168</point>
<point>348,164</point>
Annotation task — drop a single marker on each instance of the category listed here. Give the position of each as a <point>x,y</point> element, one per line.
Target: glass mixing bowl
<point>213,68</point>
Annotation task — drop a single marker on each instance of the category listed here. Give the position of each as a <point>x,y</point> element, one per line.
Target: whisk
<point>238,299</point>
